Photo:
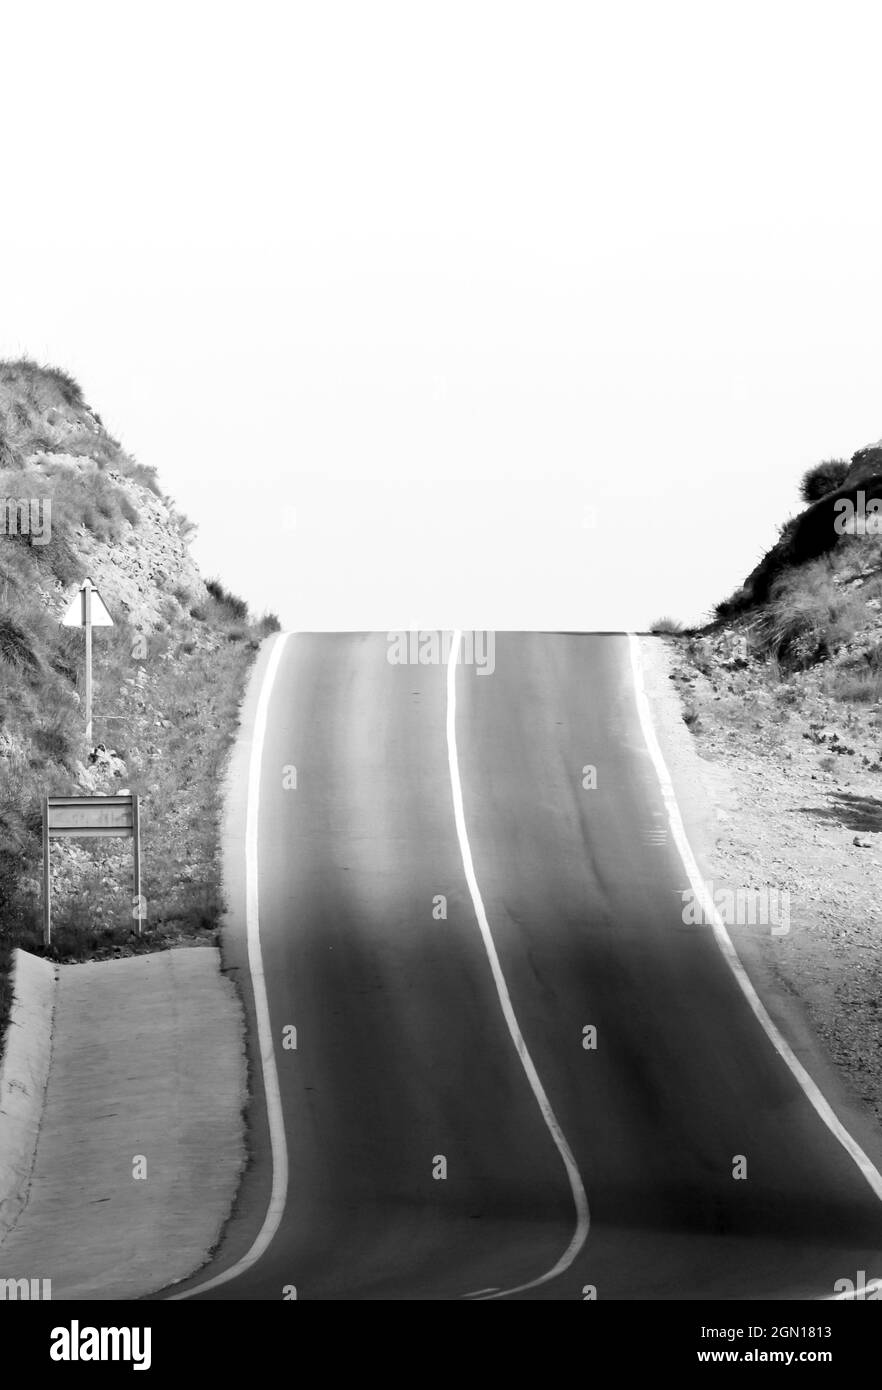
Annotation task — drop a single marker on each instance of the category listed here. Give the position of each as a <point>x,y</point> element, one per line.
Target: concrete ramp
<point>141,1140</point>
<point>24,1073</point>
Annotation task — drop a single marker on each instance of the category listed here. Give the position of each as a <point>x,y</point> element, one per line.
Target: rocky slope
<point>784,699</point>
<point>167,681</point>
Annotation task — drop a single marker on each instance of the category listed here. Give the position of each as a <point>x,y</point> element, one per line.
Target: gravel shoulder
<point>782,793</point>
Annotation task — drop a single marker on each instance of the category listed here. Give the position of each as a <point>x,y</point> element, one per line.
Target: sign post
<point>90,817</point>
<point>87,623</point>
<point>136,855</point>
<point>46,879</point>
<point>87,610</point>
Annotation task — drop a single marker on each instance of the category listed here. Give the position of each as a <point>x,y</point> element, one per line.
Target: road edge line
<point>808,1085</point>
<point>275,1115</point>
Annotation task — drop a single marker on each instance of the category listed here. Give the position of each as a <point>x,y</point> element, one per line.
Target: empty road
<point>442,1130</point>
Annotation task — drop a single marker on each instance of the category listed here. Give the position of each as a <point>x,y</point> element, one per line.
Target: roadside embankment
<point>782,805</point>
<point>24,1072</point>
<point>141,1139</point>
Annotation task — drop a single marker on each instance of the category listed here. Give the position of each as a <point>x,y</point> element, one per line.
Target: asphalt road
<point>404,1055</point>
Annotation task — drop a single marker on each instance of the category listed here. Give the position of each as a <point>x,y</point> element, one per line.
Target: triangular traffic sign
<point>76,612</point>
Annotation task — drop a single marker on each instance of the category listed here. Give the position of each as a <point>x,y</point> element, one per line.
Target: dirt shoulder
<point>791,786</point>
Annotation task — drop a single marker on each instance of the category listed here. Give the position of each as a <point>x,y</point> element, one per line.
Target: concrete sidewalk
<point>141,1142</point>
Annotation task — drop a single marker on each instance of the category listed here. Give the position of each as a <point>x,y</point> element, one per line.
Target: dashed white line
<point>580,1200</point>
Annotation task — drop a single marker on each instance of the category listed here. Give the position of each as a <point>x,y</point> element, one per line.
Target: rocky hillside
<point>834,490</point>
<point>168,678</point>
<point>783,693</point>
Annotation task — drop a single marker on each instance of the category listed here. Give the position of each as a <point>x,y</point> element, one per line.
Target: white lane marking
<point>581,1201</point>
<point>275,1116</point>
<point>699,888</point>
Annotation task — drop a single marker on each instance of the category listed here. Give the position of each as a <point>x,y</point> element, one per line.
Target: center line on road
<point>580,1234</point>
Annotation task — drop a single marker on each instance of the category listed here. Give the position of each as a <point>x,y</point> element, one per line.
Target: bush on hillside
<point>15,646</point>
<point>235,608</point>
<point>825,477</point>
<point>808,616</point>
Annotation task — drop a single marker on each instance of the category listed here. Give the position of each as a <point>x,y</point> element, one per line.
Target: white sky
<point>395,295</point>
